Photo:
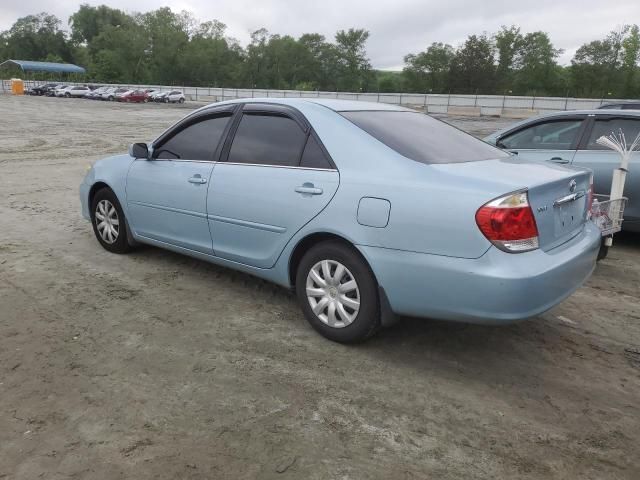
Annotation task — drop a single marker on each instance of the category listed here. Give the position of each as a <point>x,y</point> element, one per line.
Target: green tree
<point>389,82</point>
<point>508,42</point>
<point>630,59</point>
<point>535,65</point>
<point>429,70</point>
<point>88,22</point>
<point>354,69</point>
<point>119,54</point>
<point>168,37</point>
<point>36,37</point>
<point>255,65</point>
<point>472,68</point>
<point>595,68</point>
<point>211,58</point>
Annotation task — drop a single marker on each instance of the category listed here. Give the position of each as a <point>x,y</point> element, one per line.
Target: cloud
<point>397,28</point>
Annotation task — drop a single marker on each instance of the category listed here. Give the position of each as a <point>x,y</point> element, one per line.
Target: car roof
<point>336,105</point>
<point>588,112</point>
<point>561,114</point>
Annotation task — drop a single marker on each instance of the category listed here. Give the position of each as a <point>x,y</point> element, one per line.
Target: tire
<point>350,325</point>
<point>603,252</point>
<point>102,200</point>
<point>67,95</point>
<point>111,99</point>
<point>166,100</point>
<point>181,100</point>
<point>146,100</point>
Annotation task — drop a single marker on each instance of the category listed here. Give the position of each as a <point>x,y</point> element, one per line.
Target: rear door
<point>604,161</point>
<point>275,177</point>
<point>553,139</point>
<point>167,195</point>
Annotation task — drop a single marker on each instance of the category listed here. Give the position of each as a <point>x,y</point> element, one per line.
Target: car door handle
<point>559,160</point>
<point>308,189</point>
<point>197,179</point>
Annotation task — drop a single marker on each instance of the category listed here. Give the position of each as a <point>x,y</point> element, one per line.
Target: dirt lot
<point>154,365</point>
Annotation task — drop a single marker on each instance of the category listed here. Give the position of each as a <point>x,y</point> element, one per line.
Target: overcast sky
<point>397,27</point>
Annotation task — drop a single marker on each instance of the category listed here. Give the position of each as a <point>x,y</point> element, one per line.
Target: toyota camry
<point>367,211</point>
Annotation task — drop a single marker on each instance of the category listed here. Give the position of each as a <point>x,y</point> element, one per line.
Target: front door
<point>167,195</point>
<point>275,180</point>
<point>553,140</point>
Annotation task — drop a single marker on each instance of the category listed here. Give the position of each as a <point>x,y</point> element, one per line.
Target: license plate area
<point>568,216</point>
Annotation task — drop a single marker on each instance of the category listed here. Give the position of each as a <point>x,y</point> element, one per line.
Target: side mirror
<point>139,150</point>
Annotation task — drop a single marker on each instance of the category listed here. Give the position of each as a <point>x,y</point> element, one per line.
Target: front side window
<point>553,135</point>
<point>605,127</point>
<point>267,140</point>
<point>422,138</point>
<point>195,142</point>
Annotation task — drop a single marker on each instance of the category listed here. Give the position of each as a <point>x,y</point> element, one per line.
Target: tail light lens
<point>509,224</point>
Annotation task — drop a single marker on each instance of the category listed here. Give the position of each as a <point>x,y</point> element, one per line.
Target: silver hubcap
<point>107,221</point>
<point>333,293</point>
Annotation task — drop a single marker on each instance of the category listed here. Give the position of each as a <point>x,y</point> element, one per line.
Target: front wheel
<point>109,224</point>
<point>338,293</point>
<point>68,95</point>
<point>181,100</point>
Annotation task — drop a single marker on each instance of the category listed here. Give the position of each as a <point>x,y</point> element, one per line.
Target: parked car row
<point>111,94</point>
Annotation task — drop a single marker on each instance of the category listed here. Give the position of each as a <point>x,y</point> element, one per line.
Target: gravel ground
<point>154,365</point>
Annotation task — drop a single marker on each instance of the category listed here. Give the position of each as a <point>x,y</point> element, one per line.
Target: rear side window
<point>195,142</point>
<point>423,138</point>
<point>267,140</point>
<point>313,156</point>
<point>629,126</point>
<point>553,135</point>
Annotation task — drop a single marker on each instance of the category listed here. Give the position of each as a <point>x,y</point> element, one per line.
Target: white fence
<point>475,105</point>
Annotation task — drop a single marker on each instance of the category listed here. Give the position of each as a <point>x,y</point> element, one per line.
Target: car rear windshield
<point>422,138</point>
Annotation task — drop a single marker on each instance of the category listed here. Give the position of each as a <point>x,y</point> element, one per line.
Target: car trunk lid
<point>558,195</point>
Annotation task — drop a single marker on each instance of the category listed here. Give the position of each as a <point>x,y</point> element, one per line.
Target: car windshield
<point>422,138</point>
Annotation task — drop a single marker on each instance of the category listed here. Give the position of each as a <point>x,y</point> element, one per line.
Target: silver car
<point>569,138</point>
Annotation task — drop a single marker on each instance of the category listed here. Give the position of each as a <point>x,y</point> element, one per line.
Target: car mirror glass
<point>139,150</point>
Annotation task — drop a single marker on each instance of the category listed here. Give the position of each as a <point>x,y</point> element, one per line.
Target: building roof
<point>29,66</point>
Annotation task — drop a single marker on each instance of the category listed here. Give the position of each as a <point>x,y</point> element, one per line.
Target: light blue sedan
<point>368,211</point>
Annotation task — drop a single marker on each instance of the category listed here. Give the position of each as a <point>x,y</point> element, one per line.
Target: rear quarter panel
<point>431,212</point>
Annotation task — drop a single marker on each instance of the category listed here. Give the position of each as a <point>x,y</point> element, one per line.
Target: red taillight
<point>508,223</point>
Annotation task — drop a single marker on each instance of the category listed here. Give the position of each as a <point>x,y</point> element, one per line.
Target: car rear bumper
<point>496,288</point>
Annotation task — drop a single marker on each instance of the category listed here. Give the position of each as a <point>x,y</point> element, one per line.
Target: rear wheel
<point>338,293</point>
<point>181,100</point>
<point>109,224</point>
